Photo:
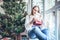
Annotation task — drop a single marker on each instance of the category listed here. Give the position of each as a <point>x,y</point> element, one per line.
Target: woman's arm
<point>28,22</point>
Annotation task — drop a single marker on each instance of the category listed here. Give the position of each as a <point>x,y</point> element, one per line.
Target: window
<point>49,4</point>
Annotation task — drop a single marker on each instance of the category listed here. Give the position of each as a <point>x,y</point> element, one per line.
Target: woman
<point>35,30</point>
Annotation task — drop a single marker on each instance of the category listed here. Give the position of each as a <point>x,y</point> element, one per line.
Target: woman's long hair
<point>33,8</point>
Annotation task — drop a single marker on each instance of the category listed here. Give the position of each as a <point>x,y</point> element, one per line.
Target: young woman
<point>33,25</point>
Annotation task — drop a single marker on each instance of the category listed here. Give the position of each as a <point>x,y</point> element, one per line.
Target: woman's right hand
<point>35,19</point>
<point>31,22</point>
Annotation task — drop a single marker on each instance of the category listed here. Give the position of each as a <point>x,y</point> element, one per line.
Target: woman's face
<point>35,10</point>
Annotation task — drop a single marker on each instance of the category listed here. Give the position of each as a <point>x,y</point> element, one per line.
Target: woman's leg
<point>31,34</point>
<point>39,33</point>
<point>45,31</point>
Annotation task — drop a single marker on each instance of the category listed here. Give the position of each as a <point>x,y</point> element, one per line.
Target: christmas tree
<point>13,19</point>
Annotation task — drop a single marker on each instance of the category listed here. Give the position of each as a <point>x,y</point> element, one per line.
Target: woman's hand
<point>35,19</point>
